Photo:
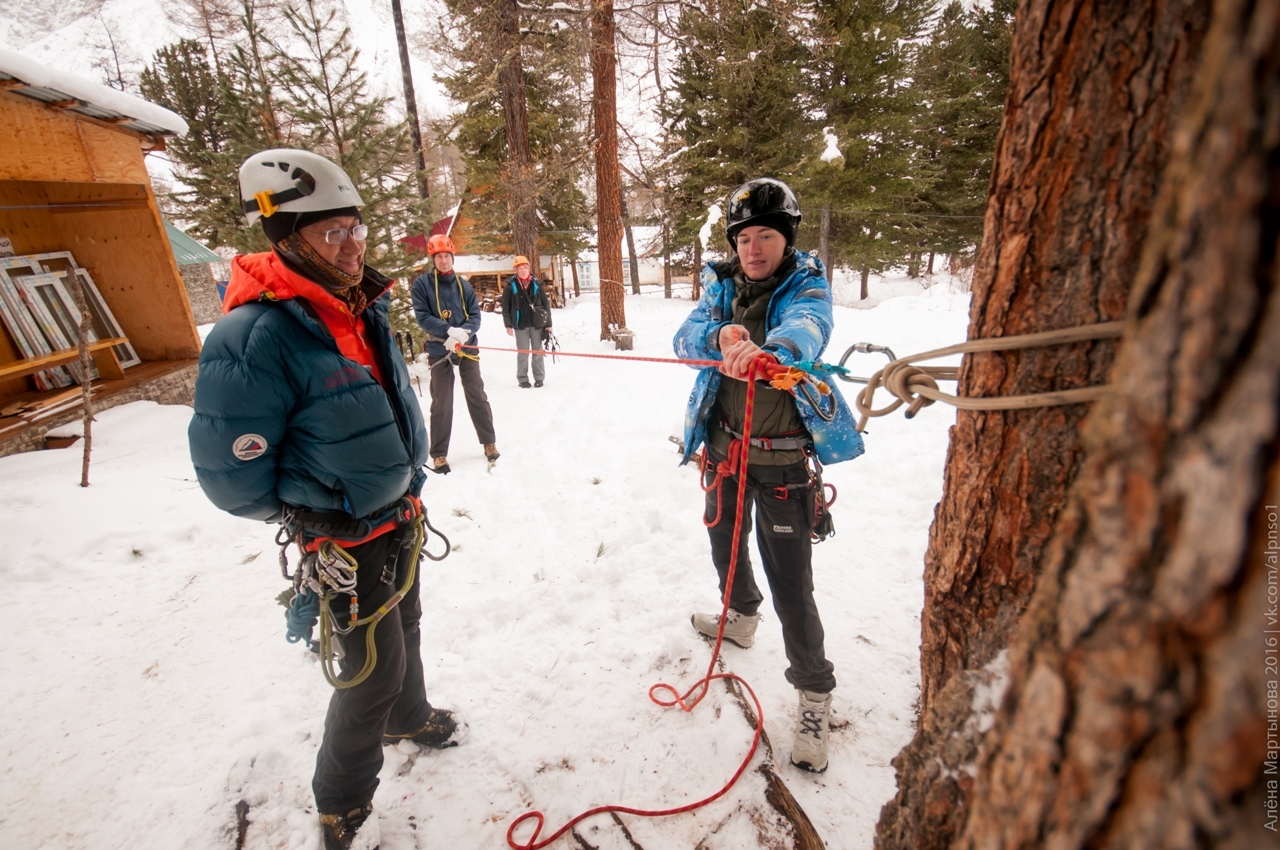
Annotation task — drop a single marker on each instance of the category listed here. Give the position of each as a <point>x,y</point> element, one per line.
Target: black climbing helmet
<point>762,202</point>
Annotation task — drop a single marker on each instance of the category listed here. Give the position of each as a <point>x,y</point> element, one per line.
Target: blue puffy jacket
<point>797,328</point>
<point>443,301</point>
<point>283,417</point>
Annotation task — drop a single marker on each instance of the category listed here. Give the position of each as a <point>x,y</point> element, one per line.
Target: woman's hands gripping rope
<point>666,695</point>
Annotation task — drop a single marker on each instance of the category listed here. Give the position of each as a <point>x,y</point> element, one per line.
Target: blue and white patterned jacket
<point>797,328</point>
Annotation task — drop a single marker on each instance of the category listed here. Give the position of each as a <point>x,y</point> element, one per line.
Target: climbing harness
<point>817,503</point>
<point>687,702</point>
<point>328,569</point>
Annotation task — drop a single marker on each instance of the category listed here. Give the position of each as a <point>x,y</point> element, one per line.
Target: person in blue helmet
<point>767,298</point>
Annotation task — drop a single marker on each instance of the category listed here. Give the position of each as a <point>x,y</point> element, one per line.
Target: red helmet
<point>439,244</point>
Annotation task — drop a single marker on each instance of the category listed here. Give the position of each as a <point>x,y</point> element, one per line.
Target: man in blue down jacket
<point>446,308</point>
<point>768,299</point>
<point>303,409</point>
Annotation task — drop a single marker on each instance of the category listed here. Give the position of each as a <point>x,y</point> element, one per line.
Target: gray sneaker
<point>809,747</point>
<point>739,628</point>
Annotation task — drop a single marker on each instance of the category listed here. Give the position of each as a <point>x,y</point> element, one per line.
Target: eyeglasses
<point>339,235</point>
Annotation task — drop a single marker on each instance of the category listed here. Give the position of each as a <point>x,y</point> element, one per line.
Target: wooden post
<point>86,383</point>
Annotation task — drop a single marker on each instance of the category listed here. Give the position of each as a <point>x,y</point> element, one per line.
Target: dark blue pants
<point>392,698</point>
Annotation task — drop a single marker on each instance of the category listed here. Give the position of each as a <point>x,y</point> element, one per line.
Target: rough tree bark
<point>1141,706</point>
<point>524,201</point>
<point>604,103</point>
<point>1094,91</point>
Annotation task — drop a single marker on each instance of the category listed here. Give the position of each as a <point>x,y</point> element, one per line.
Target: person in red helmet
<point>446,308</point>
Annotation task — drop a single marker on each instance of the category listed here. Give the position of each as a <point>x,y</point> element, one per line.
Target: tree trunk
<point>666,261</point>
<point>410,102</point>
<point>824,241</point>
<point>631,245</point>
<point>574,266</point>
<point>1094,91</point>
<point>865,291</point>
<point>524,201</point>
<point>929,270</point>
<point>696,277</point>
<point>1141,709</point>
<point>604,86</point>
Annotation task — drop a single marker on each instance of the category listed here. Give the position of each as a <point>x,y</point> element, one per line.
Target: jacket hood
<point>257,277</point>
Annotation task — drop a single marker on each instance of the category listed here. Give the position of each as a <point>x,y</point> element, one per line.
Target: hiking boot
<point>356,830</point>
<point>524,385</point>
<point>491,452</point>
<point>440,732</point>
<point>537,383</point>
<point>440,465</point>
<point>739,628</point>
<point>809,747</point>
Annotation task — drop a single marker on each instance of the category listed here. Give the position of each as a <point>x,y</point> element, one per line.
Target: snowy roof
<point>86,97</point>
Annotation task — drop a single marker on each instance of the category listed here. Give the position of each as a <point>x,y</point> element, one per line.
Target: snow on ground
<point>149,688</point>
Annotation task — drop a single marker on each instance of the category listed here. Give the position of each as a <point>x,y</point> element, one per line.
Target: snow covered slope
<point>148,688</point>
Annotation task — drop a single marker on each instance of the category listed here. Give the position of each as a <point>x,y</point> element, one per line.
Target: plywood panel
<point>41,143</point>
<point>116,232</point>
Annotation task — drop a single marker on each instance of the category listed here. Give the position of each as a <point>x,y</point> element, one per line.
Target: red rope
<point>769,369</point>
<point>687,705</point>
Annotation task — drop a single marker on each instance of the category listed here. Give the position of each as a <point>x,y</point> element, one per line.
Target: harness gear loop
<point>327,568</point>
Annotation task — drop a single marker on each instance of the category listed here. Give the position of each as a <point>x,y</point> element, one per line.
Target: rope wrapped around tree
<point>917,386</point>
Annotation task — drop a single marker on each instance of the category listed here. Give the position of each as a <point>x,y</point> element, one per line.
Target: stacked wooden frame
<point>40,313</point>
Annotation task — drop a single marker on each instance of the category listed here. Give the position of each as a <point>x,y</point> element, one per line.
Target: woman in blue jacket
<point>767,299</point>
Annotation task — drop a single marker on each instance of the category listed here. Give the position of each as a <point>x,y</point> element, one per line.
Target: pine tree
<point>182,77</point>
<point>962,74</point>
<point>739,109</point>
<point>553,77</point>
<point>860,75</point>
<point>333,113</point>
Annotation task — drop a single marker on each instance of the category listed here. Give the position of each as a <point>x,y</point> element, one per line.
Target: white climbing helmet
<point>293,181</point>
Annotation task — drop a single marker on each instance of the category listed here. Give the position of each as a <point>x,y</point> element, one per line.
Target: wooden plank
<point>69,355</point>
<point>109,368</point>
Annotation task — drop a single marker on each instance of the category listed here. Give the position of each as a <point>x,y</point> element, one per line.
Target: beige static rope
<point>917,387</point>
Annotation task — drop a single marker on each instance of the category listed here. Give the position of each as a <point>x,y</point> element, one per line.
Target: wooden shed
<point>73,183</point>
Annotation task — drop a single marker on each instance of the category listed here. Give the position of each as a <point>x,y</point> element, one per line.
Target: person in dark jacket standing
<point>446,308</point>
<point>526,311</point>
<point>303,410</point>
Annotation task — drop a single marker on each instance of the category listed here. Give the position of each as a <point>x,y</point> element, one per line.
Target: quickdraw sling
<point>328,569</point>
